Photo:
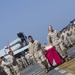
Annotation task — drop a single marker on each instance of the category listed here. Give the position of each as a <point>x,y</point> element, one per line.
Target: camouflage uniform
<point>36,51</point>
<point>29,58</point>
<point>6,67</point>
<point>69,33</point>
<point>24,61</point>
<point>15,65</point>
<point>2,72</point>
<point>74,34</point>
<point>19,63</point>
<point>55,40</point>
<point>65,39</point>
<point>72,30</point>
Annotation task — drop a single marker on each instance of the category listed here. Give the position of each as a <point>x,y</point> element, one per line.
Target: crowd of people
<point>47,56</point>
<point>15,65</point>
<point>68,35</point>
<point>56,48</point>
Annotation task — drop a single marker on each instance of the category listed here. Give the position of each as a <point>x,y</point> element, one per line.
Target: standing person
<point>2,72</point>
<point>14,63</point>
<point>69,33</point>
<point>36,51</point>
<point>54,39</point>
<point>19,63</point>
<point>6,66</point>
<point>23,61</point>
<point>29,58</point>
<point>64,38</point>
<point>72,33</point>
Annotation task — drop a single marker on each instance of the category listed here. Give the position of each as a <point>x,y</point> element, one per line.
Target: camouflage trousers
<point>8,71</point>
<point>16,70</point>
<point>61,50</point>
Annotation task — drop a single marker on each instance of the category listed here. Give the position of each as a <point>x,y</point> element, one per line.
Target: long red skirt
<point>51,54</point>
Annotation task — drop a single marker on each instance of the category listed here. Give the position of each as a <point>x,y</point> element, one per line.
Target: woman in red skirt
<point>52,55</point>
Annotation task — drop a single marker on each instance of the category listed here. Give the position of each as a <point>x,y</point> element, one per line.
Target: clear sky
<point>32,17</point>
